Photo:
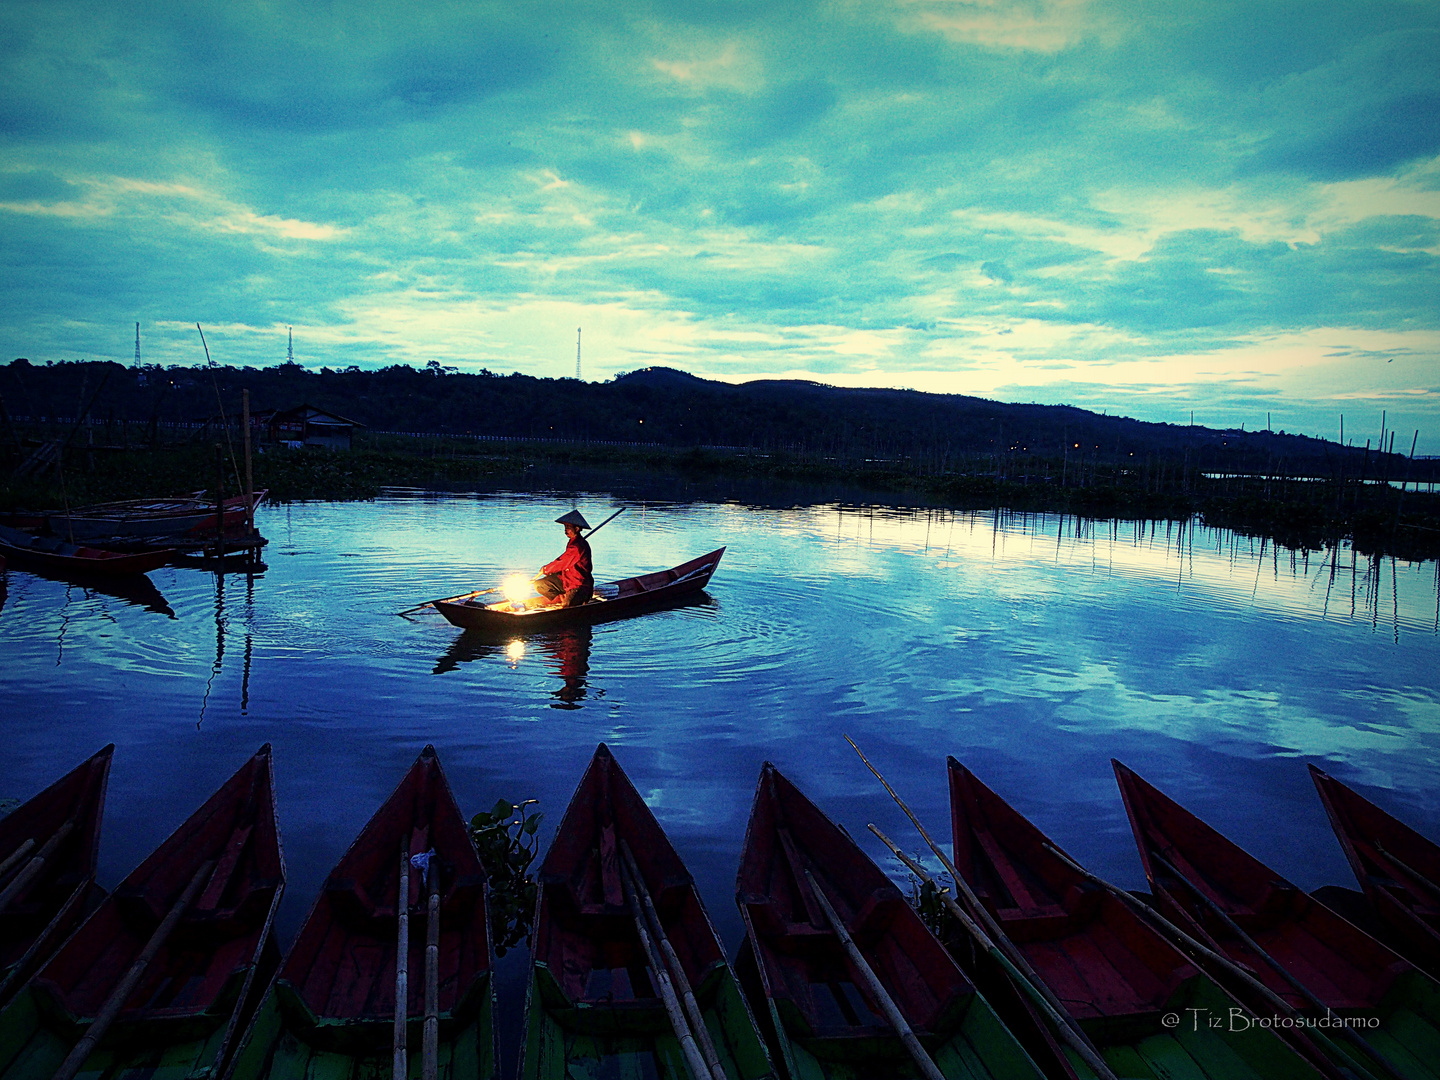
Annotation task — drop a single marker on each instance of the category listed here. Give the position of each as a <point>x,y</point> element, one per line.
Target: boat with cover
<point>162,977</point>
<point>148,518</point>
<point>331,1011</point>
<point>74,560</point>
<point>814,1003</point>
<point>1397,867</point>
<point>48,849</point>
<point>612,600</point>
<point>597,1003</point>
<point>1332,970</point>
<point>1114,973</point>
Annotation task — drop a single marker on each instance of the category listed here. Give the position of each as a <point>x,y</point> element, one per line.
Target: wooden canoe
<point>149,518</point>
<point>593,1008</point>
<point>612,600</point>
<point>331,1011</point>
<point>1115,974</point>
<point>1349,971</point>
<point>49,886</point>
<point>1398,869</point>
<point>812,1003</point>
<point>48,553</point>
<point>196,993</point>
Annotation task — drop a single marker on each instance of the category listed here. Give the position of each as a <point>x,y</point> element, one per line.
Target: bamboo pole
<point>694,1062</point>
<point>430,1040</point>
<point>677,971</point>
<point>249,475</point>
<point>1063,1023</point>
<point>401,1063</point>
<point>35,865</point>
<point>116,1001</point>
<point>1184,941</point>
<point>1410,872</point>
<point>21,966</point>
<point>16,855</point>
<point>923,1061</point>
<point>1299,987</point>
<point>980,912</point>
<point>445,599</point>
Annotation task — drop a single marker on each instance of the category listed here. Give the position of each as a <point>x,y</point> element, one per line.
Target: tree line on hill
<point>932,432</point>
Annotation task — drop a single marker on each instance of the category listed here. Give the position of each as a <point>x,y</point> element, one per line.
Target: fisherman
<point>570,580</point>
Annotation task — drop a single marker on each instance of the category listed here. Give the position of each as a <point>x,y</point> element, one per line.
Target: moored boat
<point>148,518</point>
<point>1114,973</point>
<point>1397,867</point>
<point>48,850</point>
<point>814,1002</point>
<point>595,1003</point>
<point>1218,892</point>
<point>57,556</point>
<point>331,1011</point>
<point>612,600</point>
<point>169,966</point>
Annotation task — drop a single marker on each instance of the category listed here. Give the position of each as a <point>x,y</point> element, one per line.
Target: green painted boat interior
<point>590,1040</point>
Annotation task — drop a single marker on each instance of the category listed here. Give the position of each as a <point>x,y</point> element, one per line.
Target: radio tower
<point>290,349</point>
<point>577,354</point>
<point>137,344</point>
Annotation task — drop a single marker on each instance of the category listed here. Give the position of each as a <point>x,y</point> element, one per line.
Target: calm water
<point>1031,648</point>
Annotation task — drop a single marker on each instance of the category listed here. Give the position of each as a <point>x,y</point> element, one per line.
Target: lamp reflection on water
<point>515,652</point>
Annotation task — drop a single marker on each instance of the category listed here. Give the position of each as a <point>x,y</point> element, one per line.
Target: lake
<point>1033,648</point>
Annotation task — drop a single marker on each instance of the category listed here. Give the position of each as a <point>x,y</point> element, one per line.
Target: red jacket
<point>575,567</point>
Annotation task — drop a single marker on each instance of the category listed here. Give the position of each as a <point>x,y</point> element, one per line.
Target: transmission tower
<point>577,353</point>
<point>290,349</point>
<point>137,344</point>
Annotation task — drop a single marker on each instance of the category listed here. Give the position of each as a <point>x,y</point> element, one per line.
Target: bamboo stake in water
<point>249,477</point>
<point>881,996</point>
<point>1063,1023</point>
<point>694,1062</point>
<point>116,1001</point>
<point>401,1067</point>
<point>35,865</point>
<point>430,1043</point>
<point>682,981</point>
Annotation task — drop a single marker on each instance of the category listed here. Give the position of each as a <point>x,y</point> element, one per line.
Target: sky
<point>1146,208</point>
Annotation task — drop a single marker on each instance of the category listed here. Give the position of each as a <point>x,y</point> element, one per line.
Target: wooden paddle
<point>448,599</point>
<point>35,865</point>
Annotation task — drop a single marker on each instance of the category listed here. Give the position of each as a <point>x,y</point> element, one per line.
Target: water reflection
<point>135,589</point>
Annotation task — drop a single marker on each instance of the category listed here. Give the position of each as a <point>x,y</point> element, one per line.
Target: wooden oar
<point>401,1067</point>
<point>1415,875</point>
<point>1063,1024</point>
<point>448,600</point>
<point>35,865</point>
<point>430,1043</point>
<point>15,856</point>
<point>21,966</point>
<point>1313,1037</point>
<point>116,1001</point>
<point>607,521</point>
<point>694,1062</point>
<point>979,911</point>
<point>681,980</point>
<point>1254,946</point>
<point>881,996</point>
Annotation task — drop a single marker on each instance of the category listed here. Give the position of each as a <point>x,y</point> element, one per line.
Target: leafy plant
<point>505,836</point>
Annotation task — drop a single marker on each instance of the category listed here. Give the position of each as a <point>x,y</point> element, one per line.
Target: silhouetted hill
<point>673,408</point>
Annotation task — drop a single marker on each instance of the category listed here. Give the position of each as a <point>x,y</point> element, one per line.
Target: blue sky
<point>1140,207</point>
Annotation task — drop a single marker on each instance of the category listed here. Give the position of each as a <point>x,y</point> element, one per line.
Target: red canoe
<point>612,600</point>
<point>1397,867</point>
<point>1346,969</point>
<point>593,1007</point>
<point>49,884</point>
<point>223,873</point>
<point>1114,972</point>
<point>48,553</point>
<point>816,1005</point>
<point>140,518</point>
<point>331,1012</point>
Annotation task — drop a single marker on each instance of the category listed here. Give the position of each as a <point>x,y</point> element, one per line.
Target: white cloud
<point>1045,26</point>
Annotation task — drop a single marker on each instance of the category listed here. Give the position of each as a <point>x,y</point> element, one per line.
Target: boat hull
<point>75,561</point>
<point>633,596</point>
